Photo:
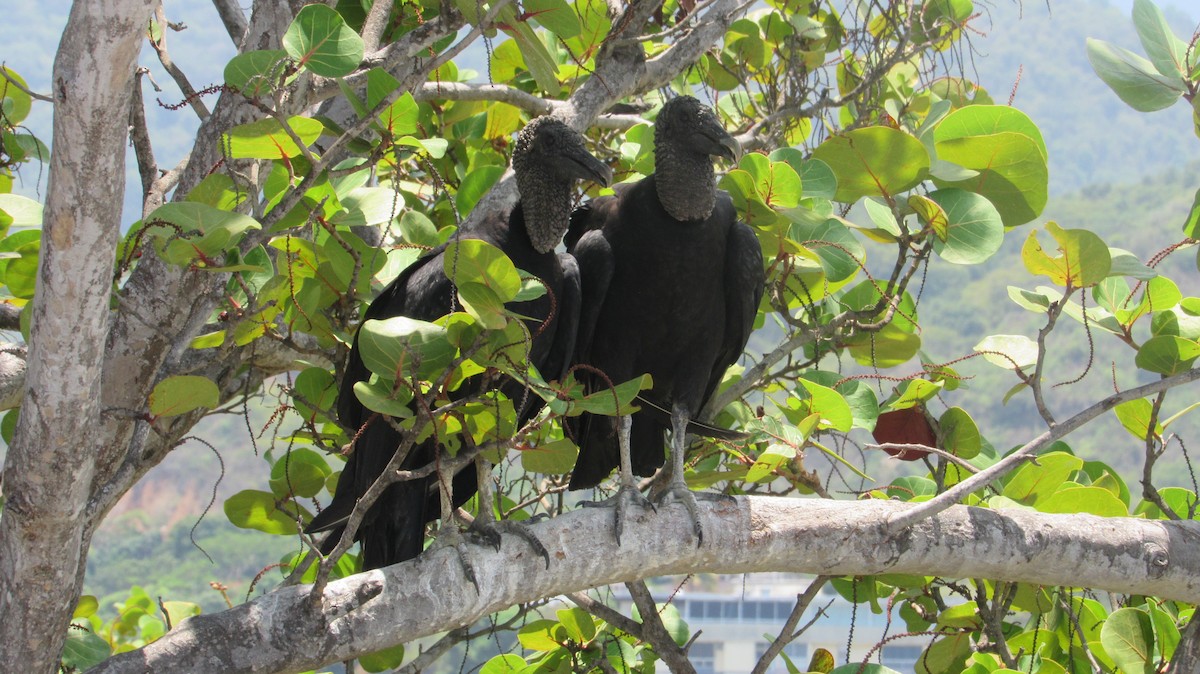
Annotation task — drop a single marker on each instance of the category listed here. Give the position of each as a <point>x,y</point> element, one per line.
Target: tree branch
<point>234,19</point>
<point>284,631</point>
<point>985,477</point>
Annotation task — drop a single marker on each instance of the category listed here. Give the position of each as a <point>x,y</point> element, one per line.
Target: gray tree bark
<point>290,630</point>
<point>50,465</point>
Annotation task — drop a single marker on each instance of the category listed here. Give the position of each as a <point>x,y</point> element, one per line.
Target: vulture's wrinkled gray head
<point>687,135</point>
<point>548,158</point>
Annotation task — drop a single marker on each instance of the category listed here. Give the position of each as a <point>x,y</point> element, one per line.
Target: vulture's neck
<point>546,202</point>
<point>686,182</point>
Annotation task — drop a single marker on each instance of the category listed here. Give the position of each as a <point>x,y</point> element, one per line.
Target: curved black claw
<point>452,537</point>
<point>491,530</point>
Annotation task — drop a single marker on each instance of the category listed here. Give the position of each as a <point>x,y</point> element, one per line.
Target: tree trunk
<point>49,467</point>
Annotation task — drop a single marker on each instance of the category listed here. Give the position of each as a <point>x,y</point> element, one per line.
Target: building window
<point>902,658</point>
<point>796,652</point>
<point>703,655</point>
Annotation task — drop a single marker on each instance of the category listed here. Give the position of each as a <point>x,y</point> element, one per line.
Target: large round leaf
<point>1006,151</point>
<point>400,346</point>
<point>320,41</point>
<point>267,139</point>
<point>1084,258</point>
<point>182,394</point>
<point>974,229</point>
<point>188,232</point>
<point>258,72</point>
<point>1128,638</point>
<point>874,162</point>
<point>1132,78</point>
<point>1167,354</point>
<point>251,509</point>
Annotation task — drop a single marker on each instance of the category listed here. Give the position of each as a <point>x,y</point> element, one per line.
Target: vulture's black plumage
<point>548,158</point>
<point>671,286</point>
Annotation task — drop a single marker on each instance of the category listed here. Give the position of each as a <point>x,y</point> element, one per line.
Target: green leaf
<point>300,472</point>
<point>610,402</point>
<point>974,229</point>
<point>1032,484</point>
<point>875,161</point>
<point>542,635</point>
<point>833,409</point>
<point>250,509</point>
<point>1011,163</point>
<point>579,624</point>
<point>959,433</point>
<point>1084,260</point>
<point>320,41</point>
<point>400,117</point>
<point>388,658</point>
<point>266,138</point>
<point>555,15</point>
<point>17,103</point>
<point>507,663</point>
<point>837,248</point>
<point>86,606</point>
<point>1091,500</point>
<point>776,183</point>
<point>1134,415</point>
<point>818,179</point>
<point>541,65</point>
<point>378,396</point>
<point>187,232</point>
<point>398,346</point>
<point>1191,227</point>
<point>916,392</point>
<point>889,347</point>
<point>368,206</point>
<point>556,457</point>
<point>474,261</point>
<point>182,394</point>
<point>1167,354</point>
<point>1166,631</point>
<point>1008,351</point>
<point>256,73</point>
<point>1134,79</point>
<point>177,611</point>
<point>84,650</point>
<point>1128,638</point>
<point>1166,51</point>
<point>315,392</point>
<point>474,185</point>
<point>23,211</point>
<point>863,668</point>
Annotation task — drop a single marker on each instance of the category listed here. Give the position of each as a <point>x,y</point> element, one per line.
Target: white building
<point>737,615</point>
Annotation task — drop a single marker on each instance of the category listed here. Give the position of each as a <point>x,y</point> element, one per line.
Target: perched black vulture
<point>671,286</point>
<point>548,158</point>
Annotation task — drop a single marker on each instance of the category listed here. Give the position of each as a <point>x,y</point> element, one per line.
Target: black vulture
<point>548,158</point>
<point>671,286</point>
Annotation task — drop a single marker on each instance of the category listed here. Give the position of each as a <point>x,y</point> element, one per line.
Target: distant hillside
<point>1092,137</point>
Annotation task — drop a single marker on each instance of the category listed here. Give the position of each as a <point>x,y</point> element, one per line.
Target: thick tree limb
<point>42,533</point>
<point>283,631</point>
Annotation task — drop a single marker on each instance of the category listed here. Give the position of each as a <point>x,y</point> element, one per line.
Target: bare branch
<point>1002,467</point>
<point>164,57</point>
<point>234,19</point>
<point>285,631</point>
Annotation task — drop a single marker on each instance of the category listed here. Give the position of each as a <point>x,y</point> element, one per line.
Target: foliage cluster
<point>939,174</point>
